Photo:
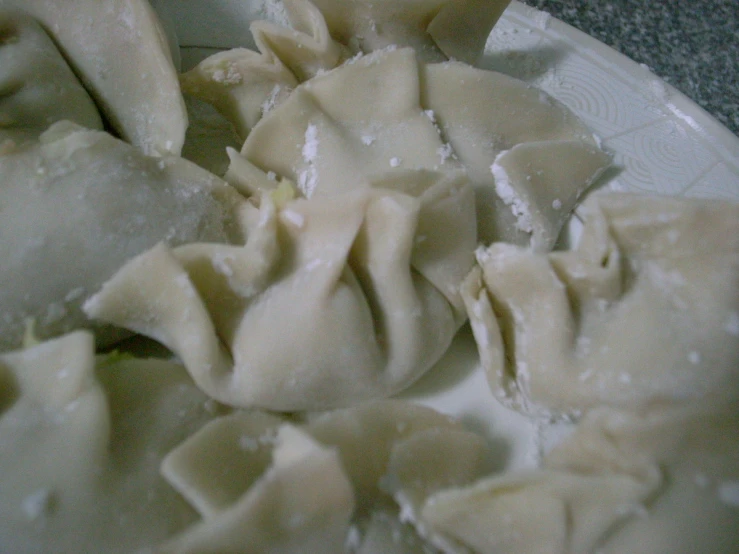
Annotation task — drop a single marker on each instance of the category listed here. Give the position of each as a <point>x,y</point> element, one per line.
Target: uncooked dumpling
<point>302,503</point>
<point>37,86</point>
<point>527,156</point>
<point>75,205</point>
<point>644,310</point>
<point>244,84</point>
<point>120,52</point>
<point>388,449</point>
<point>663,481</point>
<point>82,440</point>
<point>333,300</point>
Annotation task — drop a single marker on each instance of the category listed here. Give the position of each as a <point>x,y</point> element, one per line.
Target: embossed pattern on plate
<point>662,142</point>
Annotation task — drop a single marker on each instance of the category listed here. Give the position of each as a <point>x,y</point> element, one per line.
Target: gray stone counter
<point>691,44</point>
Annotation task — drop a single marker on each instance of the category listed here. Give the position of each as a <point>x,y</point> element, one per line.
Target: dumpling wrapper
<point>76,205</point>
<point>341,129</point>
<point>302,503</point>
<point>244,84</point>
<point>401,434</point>
<point>430,461</point>
<point>37,86</point>
<point>332,300</point>
<point>82,440</point>
<point>623,482</point>
<point>120,51</point>
<point>528,157</point>
<point>389,449</point>
<point>214,467</point>
<point>644,310</point>
<point>436,29</point>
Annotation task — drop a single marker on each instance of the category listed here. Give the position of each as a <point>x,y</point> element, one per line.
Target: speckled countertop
<point>691,44</point>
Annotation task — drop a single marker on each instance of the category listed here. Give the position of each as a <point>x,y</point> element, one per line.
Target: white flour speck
<point>445,152</point>
<point>310,148</point>
<point>271,100</point>
<point>395,162</point>
<point>308,178</point>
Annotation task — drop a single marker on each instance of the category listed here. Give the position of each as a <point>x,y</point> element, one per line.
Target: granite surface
<point>691,44</point>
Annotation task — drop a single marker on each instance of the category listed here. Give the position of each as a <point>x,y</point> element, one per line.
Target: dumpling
<point>82,440</point>
<point>244,84</point>
<point>120,52</point>
<point>527,156</point>
<point>75,205</point>
<point>302,503</point>
<point>37,87</point>
<point>388,449</point>
<point>662,481</point>
<point>644,310</point>
<point>333,300</point>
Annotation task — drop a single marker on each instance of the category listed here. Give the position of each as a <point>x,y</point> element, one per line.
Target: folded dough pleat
<point>642,311</point>
<point>327,304</point>
<point>622,482</point>
<point>83,438</point>
<point>436,29</point>
<point>244,85</point>
<point>77,204</point>
<point>388,449</point>
<point>342,129</point>
<point>529,157</point>
<point>37,87</point>
<point>120,52</point>
<point>302,503</point>
<point>387,467</point>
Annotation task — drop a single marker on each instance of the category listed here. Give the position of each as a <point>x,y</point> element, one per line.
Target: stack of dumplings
<point>346,199</point>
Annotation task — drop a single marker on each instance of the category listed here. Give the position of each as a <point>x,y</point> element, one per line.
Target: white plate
<point>662,143</point>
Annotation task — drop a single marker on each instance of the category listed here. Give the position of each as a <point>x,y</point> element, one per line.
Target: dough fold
<point>642,311</point>
<point>528,157</point>
<point>120,52</point>
<point>37,87</point>
<point>331,301</point>
<point>622,482</point>
<point>244,84</point>
<point>82,440</point>
<point>76,204</point>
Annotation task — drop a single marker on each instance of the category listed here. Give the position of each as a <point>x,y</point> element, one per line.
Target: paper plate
<point>662,143</point>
